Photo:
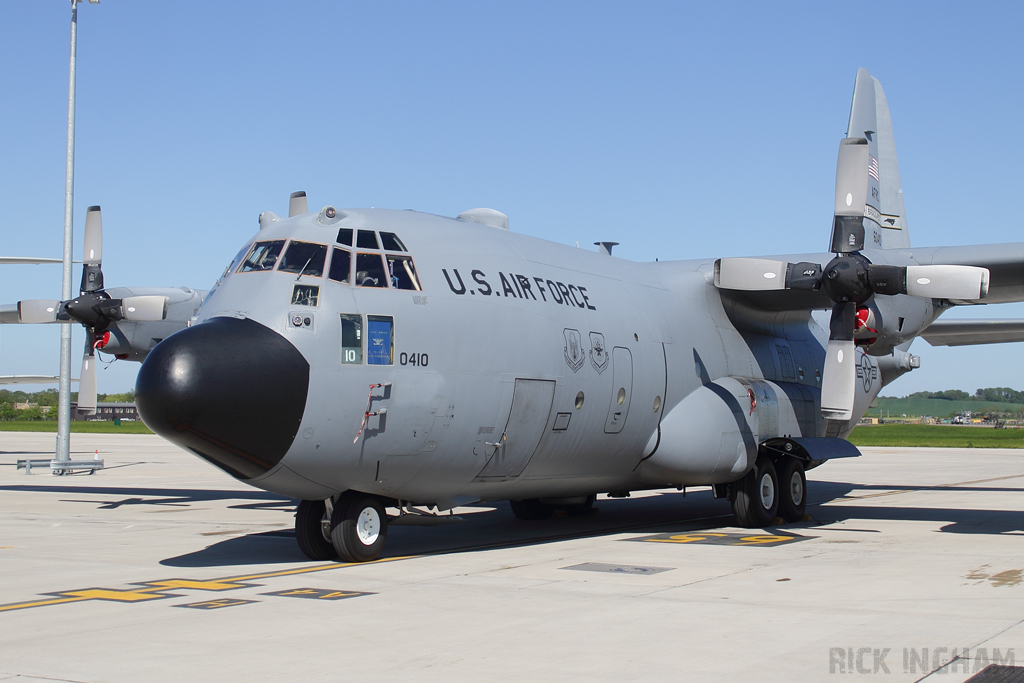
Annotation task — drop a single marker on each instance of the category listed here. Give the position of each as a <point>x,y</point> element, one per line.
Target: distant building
<point>107,411</point>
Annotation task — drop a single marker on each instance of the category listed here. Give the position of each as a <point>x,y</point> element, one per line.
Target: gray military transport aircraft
<point>366,360</point>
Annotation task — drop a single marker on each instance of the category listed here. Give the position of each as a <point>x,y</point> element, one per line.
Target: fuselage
<point>463,362</point>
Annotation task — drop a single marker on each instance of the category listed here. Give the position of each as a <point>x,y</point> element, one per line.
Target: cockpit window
<point>341,266</point>
<point>304,258</point>
<point>367,239</point>
<point>403,273</point>
<point>235,261</point>
<point>262,256</point>
<point>391,242</point>
<point>370,271</point>
<point>345,237</point>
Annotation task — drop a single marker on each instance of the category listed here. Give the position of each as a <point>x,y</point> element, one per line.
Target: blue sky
<point>681,130</point>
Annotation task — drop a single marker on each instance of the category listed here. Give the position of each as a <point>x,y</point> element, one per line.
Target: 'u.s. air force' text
<point>518,286</point>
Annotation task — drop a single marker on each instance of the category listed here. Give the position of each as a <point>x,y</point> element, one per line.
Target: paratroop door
<point>622,390</point>
<point>531,406</point>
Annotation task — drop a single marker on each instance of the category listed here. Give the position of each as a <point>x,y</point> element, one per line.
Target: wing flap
<point>970,332</point>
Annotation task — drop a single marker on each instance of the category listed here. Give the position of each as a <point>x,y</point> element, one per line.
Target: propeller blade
<point>851,196</point>
<point>144,308</point>
<point>297,204</point>
<point>92,254</point>
<point>757,275</point>
<point>87,384</point>
<point>38,310</point>
<point>948,282</point>
<point>750,274</point>
<point>838,383</point>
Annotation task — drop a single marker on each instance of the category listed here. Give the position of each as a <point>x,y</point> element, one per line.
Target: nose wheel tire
<point>755,497</point>
<point>359,526</point>
<point>309,531</point>
<point>792,490</point>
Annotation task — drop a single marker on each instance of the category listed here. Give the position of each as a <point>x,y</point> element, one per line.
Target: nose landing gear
<point>357,528</point>
<point>309,531</point>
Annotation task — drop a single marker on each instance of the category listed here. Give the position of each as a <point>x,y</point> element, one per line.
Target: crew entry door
<point>531,406</point>
<point>622,390</point>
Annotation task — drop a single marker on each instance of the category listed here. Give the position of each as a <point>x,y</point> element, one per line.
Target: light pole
<point>63,451</point>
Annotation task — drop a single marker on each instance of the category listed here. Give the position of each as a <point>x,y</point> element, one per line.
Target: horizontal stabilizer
<point>969,332</point>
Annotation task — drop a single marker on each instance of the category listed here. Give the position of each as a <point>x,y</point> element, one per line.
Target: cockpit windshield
<point>305,258</point>
<point>262,256</point>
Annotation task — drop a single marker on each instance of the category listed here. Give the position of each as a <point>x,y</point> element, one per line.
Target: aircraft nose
<point>230,390</point>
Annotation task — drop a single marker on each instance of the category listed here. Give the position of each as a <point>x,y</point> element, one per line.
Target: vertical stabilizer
<point>870,119</point>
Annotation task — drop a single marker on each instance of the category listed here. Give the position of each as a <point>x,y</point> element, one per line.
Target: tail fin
<point>870,119</point>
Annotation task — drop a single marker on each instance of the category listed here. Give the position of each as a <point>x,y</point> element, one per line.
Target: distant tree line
<point>991,394</point>
<point>47,397</point>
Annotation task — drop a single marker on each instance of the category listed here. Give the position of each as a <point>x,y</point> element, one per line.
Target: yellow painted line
<point>39,603</point>
<point>928,488</point>
<point>116,595</point>
<point>213,585</point>
<point>154,589</point>
<point>317,568</point>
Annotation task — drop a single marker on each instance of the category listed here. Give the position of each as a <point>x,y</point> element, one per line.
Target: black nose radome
<point>230,390</point>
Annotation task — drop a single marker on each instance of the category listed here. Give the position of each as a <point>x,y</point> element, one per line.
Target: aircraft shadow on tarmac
<point>493,525</point>
<point>959,520</point>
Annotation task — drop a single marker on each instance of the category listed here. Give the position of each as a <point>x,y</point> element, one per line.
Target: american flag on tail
<point>873,167</point>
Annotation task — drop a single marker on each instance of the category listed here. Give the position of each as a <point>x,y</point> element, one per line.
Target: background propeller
<point>93,308</point>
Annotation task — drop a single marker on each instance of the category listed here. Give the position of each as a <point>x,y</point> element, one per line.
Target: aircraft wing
<point>30,379</point>
<point>1005,263</point>
<point>27,260</point>
<point>9,313</point>
<point>968,332</point>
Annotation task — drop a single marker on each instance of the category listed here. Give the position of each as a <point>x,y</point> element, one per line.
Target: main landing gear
<point>769,491</point>
<point>352,529</point>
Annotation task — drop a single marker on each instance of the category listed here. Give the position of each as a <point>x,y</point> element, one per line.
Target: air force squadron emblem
<point>574,355</point>
<point>598,352</point>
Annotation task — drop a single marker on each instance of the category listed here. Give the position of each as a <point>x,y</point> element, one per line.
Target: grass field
<point>937,436</point>
<point>936,407</point>
<point>76,427</point>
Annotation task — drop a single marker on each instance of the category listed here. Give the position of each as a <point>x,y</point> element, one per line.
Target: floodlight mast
<point>63,449</point>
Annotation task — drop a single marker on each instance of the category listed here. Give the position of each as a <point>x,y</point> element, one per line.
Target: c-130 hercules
<point>361,359</point>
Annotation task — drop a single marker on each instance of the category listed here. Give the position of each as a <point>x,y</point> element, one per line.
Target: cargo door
<point>531,406</point>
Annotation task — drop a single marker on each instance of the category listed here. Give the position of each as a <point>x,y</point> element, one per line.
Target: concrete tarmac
<point>162,568</point>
